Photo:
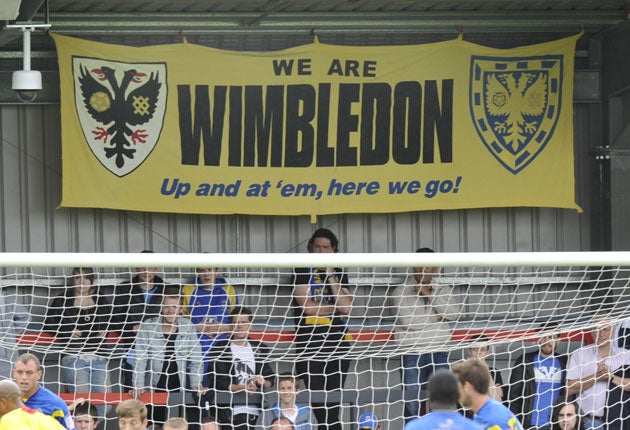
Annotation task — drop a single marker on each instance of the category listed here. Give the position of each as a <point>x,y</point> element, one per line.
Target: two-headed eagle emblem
<point>121,108</point>
<point>515,106</point>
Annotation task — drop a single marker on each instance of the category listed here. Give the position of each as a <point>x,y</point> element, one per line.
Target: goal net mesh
<point>364,345</point>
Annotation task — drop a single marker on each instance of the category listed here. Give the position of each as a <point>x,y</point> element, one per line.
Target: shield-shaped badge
<point>515,105</point>
<point>121,109</point>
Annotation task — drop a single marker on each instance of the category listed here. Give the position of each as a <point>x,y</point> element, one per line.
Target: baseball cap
<point>368,421</point>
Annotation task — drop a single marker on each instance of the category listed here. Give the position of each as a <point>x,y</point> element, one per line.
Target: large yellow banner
<point>316,129</point>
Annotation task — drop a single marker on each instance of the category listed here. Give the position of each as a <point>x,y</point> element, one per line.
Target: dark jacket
<point>522,387</point>
<point>223,373</point>
<point>130,308</point>
<point>618,403</point>
<point>62,318</point>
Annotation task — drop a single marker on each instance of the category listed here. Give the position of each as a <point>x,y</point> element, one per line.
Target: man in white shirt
<point>423,311</point>
<point>240,365</point>
<point>591,373</point>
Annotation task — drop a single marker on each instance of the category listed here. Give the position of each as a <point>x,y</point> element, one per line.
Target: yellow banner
<point>316,129</point>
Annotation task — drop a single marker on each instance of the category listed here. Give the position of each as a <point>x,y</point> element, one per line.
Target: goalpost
<point>501,301</point>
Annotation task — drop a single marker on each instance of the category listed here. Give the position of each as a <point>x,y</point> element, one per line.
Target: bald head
<point>9,389</point>
<point>9,396</point>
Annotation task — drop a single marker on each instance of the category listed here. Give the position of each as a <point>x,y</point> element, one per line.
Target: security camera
<point>26,84</point>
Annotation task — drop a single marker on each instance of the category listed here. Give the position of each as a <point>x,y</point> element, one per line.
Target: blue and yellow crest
<point>515,105</point>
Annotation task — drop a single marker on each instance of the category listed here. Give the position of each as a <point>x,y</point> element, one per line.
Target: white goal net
<point>222,335</point>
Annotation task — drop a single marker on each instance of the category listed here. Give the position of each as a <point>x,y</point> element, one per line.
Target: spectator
<point>79,318</point>
<point>322,303</point>
<point>209,302</point>
<point>369,421</point>
<point>282,423</point>
<point>623,334</point>
<point>135,301</point>
<point>301,416</point>
<point>240,365</point>
<point>474,381</point>
<point>618,400</point>
<point>27,372</point>
<point>209,423</point>
<point>132,415</point>
<point>423,311</point>
<point>167,354</point>
<point>443,393</point>
<point>14,415</point>
<point>481,350</point>
<point>566,416</point>
<point>590,371</point>
<point>85,415</point>
<point>175,423</point>
<point>537,381</point>
<point>13,320</point>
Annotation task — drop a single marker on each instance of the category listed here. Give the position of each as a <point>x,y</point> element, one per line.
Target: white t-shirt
<point>583,363</point>
<point>245,367</point>
<point>293,416</point>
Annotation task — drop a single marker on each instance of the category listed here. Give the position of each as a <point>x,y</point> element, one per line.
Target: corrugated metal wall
<point>30,159</point>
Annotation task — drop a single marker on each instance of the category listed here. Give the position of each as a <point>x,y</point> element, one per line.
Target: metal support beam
<point>586,88</point>
<point>160,24</point>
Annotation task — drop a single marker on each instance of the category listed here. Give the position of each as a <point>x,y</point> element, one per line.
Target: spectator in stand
<point>618,400</point>
<point>85,415</point>
<point>135,301</point>
<point>79,319</point>
<point>14,415</point>
<point>480,349</point>
<point>132,415</point>
<point>208,303</point>
<point>301,416</point>
<point>423,312</point>
<point>443,393</point>
<point>27,372</point>
<point>322,303</point>
<point>537,381</point>
<point>240,365</point>
<point>167,354</point>
<point>175,423</point>
<point>566,415</point>
<point>13,321</point>
<point>591,374</point>
<point>623,334</point>
<point>474,382</point>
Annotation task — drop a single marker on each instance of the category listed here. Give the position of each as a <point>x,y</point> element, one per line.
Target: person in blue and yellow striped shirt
<point>475,381</point>
<point>27,372</point>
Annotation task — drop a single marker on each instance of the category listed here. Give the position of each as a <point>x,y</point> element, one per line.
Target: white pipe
<point>26,54</point>
<point>276,260</point>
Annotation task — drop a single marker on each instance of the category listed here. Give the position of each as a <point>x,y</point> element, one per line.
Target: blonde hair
<point>131,408</point>
<point>175,424</point>
<point>27,357</point>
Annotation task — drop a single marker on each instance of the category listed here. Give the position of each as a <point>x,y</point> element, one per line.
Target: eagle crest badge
<point>515,105</point>
<point>121,109</point>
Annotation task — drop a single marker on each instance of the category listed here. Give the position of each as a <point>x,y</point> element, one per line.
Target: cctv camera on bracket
<point>26,82</point>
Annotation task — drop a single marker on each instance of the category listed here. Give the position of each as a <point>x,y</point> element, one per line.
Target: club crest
<point>515,105</point>
<point>121,109</point>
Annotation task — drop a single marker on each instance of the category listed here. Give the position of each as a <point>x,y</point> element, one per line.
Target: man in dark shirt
<point>134,302</point>
<point>322,302</point>
<point>537,381</point>
<point>240,365</point>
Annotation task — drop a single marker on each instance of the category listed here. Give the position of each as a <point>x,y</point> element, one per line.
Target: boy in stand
<point>301,416</point>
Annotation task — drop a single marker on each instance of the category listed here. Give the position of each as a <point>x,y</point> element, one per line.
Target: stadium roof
<point>268,25</point>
